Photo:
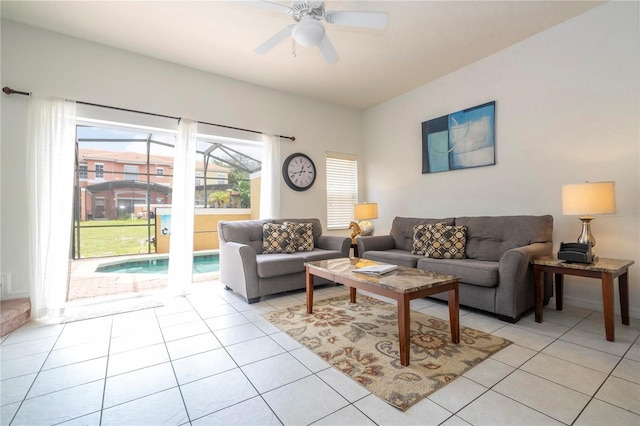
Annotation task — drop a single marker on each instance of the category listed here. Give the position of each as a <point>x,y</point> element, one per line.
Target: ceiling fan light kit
<point>309,30</point>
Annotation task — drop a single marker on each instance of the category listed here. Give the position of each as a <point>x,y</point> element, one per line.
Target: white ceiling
<point>423,41</point>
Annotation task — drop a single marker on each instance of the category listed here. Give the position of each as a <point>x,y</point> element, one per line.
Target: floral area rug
<point>361,340</point>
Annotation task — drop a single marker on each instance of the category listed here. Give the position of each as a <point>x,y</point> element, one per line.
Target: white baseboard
<point>634,312</point>
<point>7,292</point>
<point>13,296</point>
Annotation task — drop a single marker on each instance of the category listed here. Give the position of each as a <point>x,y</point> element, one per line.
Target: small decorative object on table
<point>356,231</point>
<point>576,253</point>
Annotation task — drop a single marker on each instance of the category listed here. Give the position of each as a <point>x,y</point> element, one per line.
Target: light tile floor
<point>210,358</point>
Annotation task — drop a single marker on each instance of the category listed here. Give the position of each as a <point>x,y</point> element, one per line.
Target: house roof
<point>128,184</point>
<point>129,157</point>
<point>123,157</point>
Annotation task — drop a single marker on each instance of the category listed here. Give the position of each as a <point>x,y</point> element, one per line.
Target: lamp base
<point>586,237</point>
<point>366,228</point>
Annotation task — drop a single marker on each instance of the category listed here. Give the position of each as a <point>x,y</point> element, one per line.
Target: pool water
<point>201,264</point>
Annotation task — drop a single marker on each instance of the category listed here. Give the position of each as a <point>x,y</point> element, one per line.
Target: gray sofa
<point>247,270</point>
<point>496,275</point>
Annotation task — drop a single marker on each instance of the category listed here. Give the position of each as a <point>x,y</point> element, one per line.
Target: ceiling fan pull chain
<point>293,48</point>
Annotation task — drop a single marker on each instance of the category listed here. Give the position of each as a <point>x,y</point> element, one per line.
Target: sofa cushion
<point>315,223</point>
<point>302,234</point>
<point>277,238</point>
<point>321,254</point>
<point>489,237</point>
<point>243,231</point>
<point>394,256</point>
<point>402,229</point>
<point>277,264</point>
<point>420,239</point>
<point>445,242</point>
<point>476,272</point>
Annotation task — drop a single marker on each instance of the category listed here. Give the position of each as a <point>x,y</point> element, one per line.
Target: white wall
<point>48,63</point>
<point>567,111</point>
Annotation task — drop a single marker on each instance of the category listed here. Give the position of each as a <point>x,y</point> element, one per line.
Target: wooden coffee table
<point>402,285</point>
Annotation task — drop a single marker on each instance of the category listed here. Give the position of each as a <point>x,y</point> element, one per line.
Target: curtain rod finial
<point>9,91</point>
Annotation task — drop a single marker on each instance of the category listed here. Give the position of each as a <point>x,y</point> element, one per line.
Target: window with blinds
<point>342,189</point>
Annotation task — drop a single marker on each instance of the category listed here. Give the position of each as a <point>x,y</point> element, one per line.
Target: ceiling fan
<point>308,31</point>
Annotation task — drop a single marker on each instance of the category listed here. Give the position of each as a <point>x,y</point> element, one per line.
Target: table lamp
<point>363,213</point>
<point>585,199</point>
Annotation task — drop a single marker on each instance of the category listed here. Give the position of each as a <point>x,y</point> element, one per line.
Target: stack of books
<point>376,269</point>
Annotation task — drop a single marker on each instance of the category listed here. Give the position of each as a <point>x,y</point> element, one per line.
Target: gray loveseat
<point>496,275</point>
<point>247,270</point>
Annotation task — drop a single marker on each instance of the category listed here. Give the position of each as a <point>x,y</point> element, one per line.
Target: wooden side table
<point>604,269</point>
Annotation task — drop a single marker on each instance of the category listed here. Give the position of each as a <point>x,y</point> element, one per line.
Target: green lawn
<point>99,238</point>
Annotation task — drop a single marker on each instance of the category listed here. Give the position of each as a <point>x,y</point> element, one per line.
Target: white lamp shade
<point>308,32</point>
<point>365,211</point>
<point>589,198</point>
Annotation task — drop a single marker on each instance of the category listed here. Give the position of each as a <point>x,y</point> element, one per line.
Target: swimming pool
<point>202,263</point>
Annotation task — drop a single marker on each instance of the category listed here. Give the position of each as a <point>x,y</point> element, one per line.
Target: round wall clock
<point>299,172</point>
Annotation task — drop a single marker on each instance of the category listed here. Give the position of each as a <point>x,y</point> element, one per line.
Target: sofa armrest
<point>238,269</point>
<point>515,293</point>
<point>376,242</point>
<point>335,242</point>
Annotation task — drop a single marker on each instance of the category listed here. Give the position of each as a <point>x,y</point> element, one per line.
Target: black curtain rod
<point>10,91</point>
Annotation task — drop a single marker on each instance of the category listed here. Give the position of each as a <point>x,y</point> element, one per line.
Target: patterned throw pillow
<point>420,239</point>
<point>302,234</point>
<point>277,238</point>
<point>446,242</point>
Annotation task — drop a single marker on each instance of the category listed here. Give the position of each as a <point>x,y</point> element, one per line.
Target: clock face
<point>299,172</point>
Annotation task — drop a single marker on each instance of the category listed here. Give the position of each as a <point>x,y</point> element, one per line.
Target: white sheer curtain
<point>182,209</point>
<point>270,177</point>
<point>50,157</point>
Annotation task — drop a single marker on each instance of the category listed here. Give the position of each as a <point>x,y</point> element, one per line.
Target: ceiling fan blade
<point>328,52</point>
<point>274,40</point>
<point>274,7</point>
<point>377,20</point>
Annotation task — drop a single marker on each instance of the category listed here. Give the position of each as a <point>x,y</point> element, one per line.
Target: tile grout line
<point>620,359</point>
<point>37,375</point>
<point>519,369</point>
<point>610,375</point>
<point>313,373</point>
<point>222,346</point>
<point>106,371</point>
<point>350,403</point>
<point>591,397</point>
<point>175,375</point>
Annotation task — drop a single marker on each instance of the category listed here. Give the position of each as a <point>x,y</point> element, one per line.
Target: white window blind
<point>342,189</point>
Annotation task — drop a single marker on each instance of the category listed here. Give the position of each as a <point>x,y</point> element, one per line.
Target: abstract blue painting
<point>460,140</point>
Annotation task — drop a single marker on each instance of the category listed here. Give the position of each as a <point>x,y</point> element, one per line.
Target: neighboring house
<point>122,184</point>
